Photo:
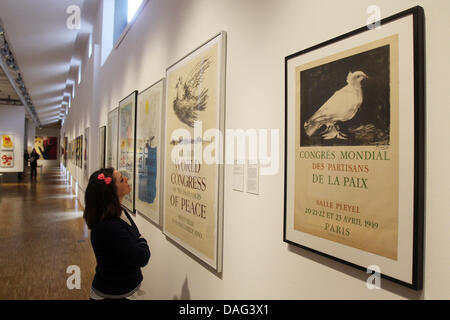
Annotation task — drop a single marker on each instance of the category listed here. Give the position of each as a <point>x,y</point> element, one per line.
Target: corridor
<point>42,233</point>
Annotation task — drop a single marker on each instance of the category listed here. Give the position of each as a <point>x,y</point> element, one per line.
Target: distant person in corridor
<point>119,248</point>
<point>34,156</point>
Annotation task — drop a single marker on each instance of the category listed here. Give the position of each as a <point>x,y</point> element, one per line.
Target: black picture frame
<point>415,273</point>
<point>79,151</point>
<point>131,98</point>
<point>102,146</point>
<point>111,148</point>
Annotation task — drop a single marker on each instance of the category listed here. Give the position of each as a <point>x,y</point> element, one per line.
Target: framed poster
<point>77,147</point>
<point>46,147</point>
<point>77,155</point>
<point>111,138</point>
<point>65,151</point>
<point>79,151</point>
<point>149,149</point>
<point>50,148</point>
<point>354,113</point>
<point>39,146</point>
<point>6,159</point>
<point>193,163</point>
<point>127,144</point>
<point>86,156</point>
<point>102,147</point>
<point>72,152</point>
<point>7,142</point>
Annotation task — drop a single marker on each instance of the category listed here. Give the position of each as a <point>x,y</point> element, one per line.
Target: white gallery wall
<point>31,133</point>
<point>257,264</point>
<point>12,121</point>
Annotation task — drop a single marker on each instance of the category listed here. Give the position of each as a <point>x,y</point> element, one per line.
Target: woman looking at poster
<point>120,250</point>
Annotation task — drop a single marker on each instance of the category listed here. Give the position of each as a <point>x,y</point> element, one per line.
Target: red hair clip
<point>107,180</point>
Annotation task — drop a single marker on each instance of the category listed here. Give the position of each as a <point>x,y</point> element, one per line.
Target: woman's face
<point>123,188</point>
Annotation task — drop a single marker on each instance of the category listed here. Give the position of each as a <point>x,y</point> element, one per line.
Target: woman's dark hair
<point>101,201</point>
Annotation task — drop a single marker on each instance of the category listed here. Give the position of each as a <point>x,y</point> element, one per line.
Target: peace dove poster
<point>353,121</point>
<point>194,130</point>
<point>347,148</point>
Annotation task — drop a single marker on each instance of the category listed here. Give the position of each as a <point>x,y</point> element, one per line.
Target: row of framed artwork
<point>73,151</point>
<point>149,138</point>
<point>354,109</point>
<point>77,152</point>
<point>45,146</point>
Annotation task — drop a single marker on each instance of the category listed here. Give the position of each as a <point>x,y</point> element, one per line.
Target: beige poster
<point>6,159</point>
<point>148,151</point>
<point>126,131</point>
<point>347,148</point>
<point>190,183</point>
<point>7,142</point>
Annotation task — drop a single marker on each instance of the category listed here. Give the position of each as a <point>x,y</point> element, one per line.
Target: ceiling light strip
<point>7,62</point>
<point>19,94</point>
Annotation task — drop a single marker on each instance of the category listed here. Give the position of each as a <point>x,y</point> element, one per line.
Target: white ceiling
<point>46,50</point>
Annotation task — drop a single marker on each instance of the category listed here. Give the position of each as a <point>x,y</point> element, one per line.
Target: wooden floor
<point>42,233</point>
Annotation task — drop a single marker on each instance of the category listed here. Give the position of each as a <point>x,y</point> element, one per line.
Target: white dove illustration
<point>341,106</point>
<point>187,103</point>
